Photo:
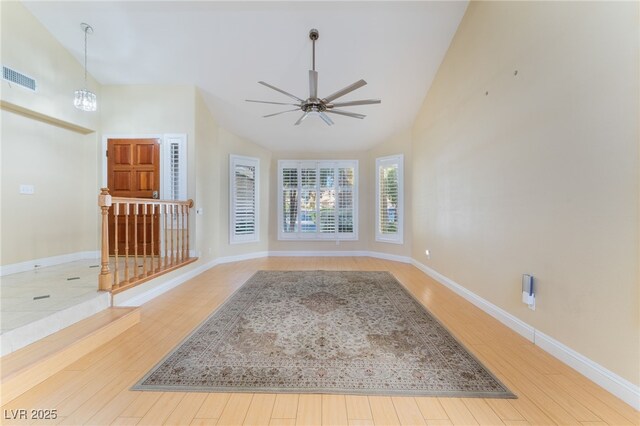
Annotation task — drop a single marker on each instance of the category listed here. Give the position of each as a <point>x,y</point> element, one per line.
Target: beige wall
<point>29,48</point>
<point>62,216</point>
<point>142,110</point>
<point>540,175</point>
<point>146,109</point>
<point>207,189</point>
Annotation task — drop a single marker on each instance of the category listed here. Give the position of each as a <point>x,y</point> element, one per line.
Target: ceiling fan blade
<point>281,112</point>
<point>353,103</point>
<point>313,84</point>
<point>348,114</point>
<point>358,84</point>
<point>269,102</point>
<point>326,118</point>
<point>281,91</point>
<point>301,119</point>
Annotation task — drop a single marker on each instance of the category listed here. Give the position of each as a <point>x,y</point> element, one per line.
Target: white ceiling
<point>225,48</point>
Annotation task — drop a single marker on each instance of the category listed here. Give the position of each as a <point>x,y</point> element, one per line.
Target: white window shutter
<point>175,167</point>
<point>317,200</point>
<point>244,186</point>
<point>327,202</point>
<point>389,199</point>
<point>288,205</point>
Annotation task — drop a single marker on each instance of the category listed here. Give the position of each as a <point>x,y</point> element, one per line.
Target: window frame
<point>236,160</point>
<point>318,236</point>
<point>166,172</point>
<point>398,237</point>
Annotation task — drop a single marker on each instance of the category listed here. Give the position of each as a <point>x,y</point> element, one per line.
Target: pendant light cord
<point>86,30</point>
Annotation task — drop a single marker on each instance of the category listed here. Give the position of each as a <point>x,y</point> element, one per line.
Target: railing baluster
<point>116,212</point>
<point>184,254</point>
<point>135,241</point>
<point>188,247</point>
<point>144,240</point>
<point>126,243</point>
<point>172,221</point>
<point>166,245</point>
<point>159,248</point>
<point>153,238</point>
<point>178,234</point>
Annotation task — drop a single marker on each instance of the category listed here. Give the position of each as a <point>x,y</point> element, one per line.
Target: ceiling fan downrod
<point>314,35</point>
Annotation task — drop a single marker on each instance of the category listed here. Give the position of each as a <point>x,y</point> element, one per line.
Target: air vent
<point>18,78</point>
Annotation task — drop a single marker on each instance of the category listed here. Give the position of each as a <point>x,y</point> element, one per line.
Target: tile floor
<point>63,286</point>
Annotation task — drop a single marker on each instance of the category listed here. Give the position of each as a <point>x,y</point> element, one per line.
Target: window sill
<point>389,241</point>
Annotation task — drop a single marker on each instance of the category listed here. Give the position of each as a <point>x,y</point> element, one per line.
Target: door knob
<point>155,195</point>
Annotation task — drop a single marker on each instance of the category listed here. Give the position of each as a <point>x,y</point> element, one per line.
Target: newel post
<point>189,207</point>
<point>105,279</point>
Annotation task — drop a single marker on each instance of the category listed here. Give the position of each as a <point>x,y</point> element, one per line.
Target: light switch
<point>27,189</point>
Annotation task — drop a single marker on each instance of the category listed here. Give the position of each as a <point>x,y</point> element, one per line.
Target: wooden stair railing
<point>162,227</point>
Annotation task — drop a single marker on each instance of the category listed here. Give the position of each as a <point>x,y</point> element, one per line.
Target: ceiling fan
<point>315,105</point>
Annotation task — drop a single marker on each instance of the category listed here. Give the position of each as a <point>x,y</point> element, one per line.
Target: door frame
<point>163,157</point>
<point>162,137</point>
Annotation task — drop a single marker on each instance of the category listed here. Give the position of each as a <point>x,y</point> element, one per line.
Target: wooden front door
<point>133,171</point>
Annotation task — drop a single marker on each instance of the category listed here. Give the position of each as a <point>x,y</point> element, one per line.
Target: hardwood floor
<point>95,389</point>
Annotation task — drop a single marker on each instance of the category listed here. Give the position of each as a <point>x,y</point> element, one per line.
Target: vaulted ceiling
<point>225,48</point>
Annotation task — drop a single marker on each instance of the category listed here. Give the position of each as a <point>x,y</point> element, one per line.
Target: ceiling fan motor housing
<point>311,106</point>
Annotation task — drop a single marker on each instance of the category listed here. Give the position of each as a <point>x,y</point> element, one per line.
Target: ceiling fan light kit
<point>314,105</point>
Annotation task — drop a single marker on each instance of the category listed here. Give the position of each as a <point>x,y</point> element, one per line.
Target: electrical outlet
<point>528,291</point>
<point>427,253</point>
<point>27,189</point>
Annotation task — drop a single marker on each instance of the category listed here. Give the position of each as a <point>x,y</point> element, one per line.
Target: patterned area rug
<point>323,332</point>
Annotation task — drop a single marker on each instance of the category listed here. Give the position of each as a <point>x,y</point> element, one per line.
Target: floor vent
<point>18,78</point>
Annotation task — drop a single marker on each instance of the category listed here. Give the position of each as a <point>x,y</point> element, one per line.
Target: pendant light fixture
<point>84,98</point>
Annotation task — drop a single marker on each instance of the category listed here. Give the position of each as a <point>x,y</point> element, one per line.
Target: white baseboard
<point>517,325</point>
<point>120,299</point>
<point>343,253</point>
<point>387,256</point>
<point>618,386</point>
<point>30,265</point>
<point>317,253</point>
<point>154,292</point>
<point>237,258</point>
<point>161,288</point>
<point>138,300</point>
